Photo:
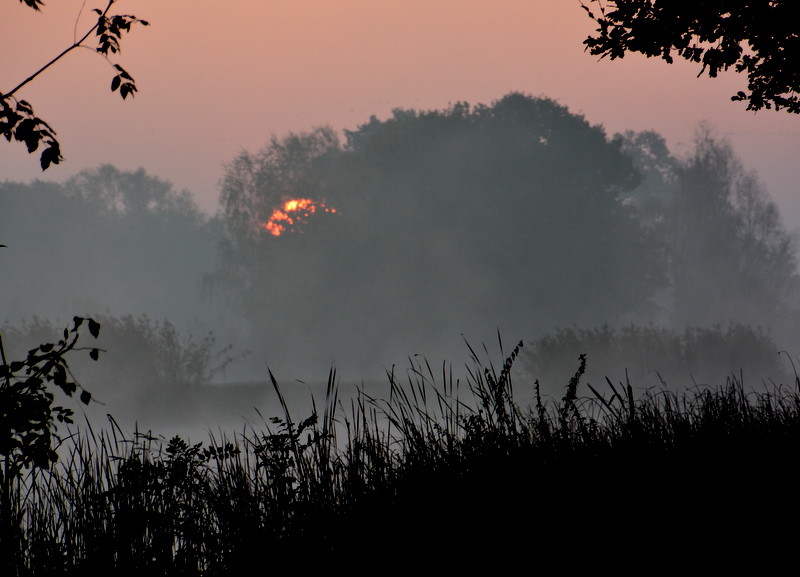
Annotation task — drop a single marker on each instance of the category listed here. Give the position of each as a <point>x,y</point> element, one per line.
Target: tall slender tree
<point>730,257</point>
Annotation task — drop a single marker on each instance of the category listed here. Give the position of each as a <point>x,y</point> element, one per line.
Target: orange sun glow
<point>292,213</point>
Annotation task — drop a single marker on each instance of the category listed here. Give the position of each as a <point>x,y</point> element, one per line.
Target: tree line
<point>520,215</point>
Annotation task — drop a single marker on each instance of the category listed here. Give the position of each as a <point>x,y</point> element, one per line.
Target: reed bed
<point>446,474</point>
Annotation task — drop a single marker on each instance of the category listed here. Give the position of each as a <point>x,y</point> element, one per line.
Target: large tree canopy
<point>759,37</point>
<point>448,221</point>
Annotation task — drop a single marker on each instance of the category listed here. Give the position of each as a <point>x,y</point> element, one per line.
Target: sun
<point>293,212</point>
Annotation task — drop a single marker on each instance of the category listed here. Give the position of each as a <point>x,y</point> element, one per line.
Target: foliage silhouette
<point>141,357</point>
<point>17,118</point>
<point>93,232</point>
<point>713,34</point>
<point>723,234</point>
<point>460,215</point>
<point>460,456</point>
<point>28,420</point>
<point>652,355</point>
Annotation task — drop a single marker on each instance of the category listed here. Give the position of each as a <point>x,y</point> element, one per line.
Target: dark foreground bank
<point>444,475</point>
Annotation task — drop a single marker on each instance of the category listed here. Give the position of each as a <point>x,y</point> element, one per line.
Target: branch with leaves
<point>26,412</point>
<point>28,420</point>
<point>760,38</point>
<point>17,118</point>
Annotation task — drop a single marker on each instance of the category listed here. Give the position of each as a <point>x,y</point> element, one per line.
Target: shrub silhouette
<point>28,420</point>
<point>454,466</point>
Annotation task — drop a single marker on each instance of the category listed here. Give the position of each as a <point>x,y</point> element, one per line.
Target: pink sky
<point>216,77</point>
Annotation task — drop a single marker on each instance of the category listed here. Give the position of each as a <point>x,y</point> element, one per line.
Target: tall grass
<point>445,471</point>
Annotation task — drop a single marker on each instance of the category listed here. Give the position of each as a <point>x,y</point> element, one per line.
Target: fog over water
<point>416,232</point>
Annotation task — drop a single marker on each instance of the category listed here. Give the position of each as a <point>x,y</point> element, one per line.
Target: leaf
<point>94,328</point>
<point>115,83</point>
<point>86,396</point>
<point>60,377</point>
<point>51,155</point>
<point>25,107</point>
<point>94,353</point>
<point>32,142</point>
<point>34,4</point>
<point>123,73</point>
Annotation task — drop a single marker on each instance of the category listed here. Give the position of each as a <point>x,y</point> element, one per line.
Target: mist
<point>449,227</point>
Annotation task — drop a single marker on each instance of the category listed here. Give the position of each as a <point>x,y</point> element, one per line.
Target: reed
<point>450,466</point>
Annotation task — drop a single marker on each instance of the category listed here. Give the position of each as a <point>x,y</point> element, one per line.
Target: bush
<point>655,356</point>
<point>139,351</point>
<point>461,470</point>
<point>28,425</point>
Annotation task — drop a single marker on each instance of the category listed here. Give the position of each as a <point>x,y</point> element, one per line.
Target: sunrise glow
<point>292,213</point>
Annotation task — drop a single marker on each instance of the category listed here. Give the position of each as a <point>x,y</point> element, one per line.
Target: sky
<point>218,77</point>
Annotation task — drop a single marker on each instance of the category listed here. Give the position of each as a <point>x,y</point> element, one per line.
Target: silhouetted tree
<point>729,240</point>
<point>757,37</point>
<point>653,196</point>
<point>523,186</point>
<point>17,119</point>
<point>122,240</point>
<point>448,221</point>
<point>134,194</point>
<point>254,185</point>
<point>730,256</point>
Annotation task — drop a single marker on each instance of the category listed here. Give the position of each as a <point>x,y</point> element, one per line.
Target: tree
<point>448,221</point>
<point>254,185</point>
<point>512,192</point>
<point>729,239</point>
<point>110,237</point>
<point>17,118</point>
<point>723,232</point>
<point>658,167</point>
<point>759,37</point>
<point>134,194</point>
